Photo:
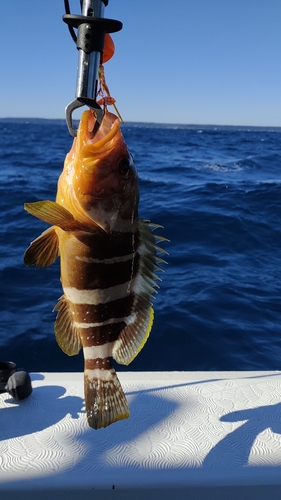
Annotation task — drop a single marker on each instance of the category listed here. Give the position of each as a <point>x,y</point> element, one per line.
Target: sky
<point>176,61</point>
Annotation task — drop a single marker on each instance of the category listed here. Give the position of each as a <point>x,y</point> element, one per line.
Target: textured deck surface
<point>207,435</point>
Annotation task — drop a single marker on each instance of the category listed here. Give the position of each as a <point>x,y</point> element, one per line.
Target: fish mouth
<point>91,141</point>
<point>96,158</point>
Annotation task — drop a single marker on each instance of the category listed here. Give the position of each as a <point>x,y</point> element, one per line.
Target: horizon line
<point>14,118</point>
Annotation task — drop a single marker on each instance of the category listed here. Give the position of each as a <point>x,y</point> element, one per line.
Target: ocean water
<point>216,191</point>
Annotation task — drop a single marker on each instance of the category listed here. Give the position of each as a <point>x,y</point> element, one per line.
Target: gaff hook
<point>92,27</point>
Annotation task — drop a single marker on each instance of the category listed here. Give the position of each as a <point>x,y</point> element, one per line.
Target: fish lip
<point>109,127</point>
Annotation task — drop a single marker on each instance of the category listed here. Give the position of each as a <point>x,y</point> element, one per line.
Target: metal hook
<point>78,103</point>
<point>92,28</point>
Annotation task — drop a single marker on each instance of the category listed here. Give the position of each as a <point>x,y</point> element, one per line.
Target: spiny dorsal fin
<point>149,259</point>
<point>44,250</point>
<point>137,330</point>
<point>52,213</point>
<point>66,334</point>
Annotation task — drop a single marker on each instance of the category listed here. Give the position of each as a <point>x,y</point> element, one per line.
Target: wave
<point>217,194</point>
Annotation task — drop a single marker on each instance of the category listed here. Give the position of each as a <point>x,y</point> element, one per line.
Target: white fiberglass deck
<point>195,435</point>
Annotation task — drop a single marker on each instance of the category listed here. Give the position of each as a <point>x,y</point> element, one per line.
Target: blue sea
<point>216,191</point>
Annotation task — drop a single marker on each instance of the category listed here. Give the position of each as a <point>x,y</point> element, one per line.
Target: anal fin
<point>44,250</point>
<point>67,335</point>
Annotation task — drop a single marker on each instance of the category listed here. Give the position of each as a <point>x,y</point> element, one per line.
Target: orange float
<point>109,48</point>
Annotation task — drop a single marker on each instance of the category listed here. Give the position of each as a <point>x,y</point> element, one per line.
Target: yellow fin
<point>105,400</point>
<point>52,213</point>
<point>134,335</point>
<point>66,334</point>
<point>44,250</point>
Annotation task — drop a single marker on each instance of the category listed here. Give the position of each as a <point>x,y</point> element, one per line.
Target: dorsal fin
<point>139,323</point>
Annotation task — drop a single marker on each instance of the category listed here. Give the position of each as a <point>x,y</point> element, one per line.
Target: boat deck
<point>195,435</point>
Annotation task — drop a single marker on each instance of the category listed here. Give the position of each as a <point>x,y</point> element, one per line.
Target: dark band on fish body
<point>108,245</point>
<point>100,335</point>
<point>88,313</point>
<point>98,364</point>
<point>101,275</point>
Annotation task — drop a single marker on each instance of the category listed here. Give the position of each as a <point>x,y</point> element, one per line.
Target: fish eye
<point>124,167</point>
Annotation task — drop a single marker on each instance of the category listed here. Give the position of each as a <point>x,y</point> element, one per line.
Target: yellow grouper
<point>108,258</point>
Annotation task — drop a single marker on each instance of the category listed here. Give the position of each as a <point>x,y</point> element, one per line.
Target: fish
<point>109,259</point>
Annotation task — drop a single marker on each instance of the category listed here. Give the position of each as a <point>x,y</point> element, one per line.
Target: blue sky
<point>176,61</point>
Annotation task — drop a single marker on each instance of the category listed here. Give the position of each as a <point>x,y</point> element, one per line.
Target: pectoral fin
<point>55,214</point>
<point>44,250</point>
<point>52,213</point>
<point>66,334</point>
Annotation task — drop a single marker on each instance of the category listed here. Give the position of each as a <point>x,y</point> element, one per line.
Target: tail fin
<point>104,397</point>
